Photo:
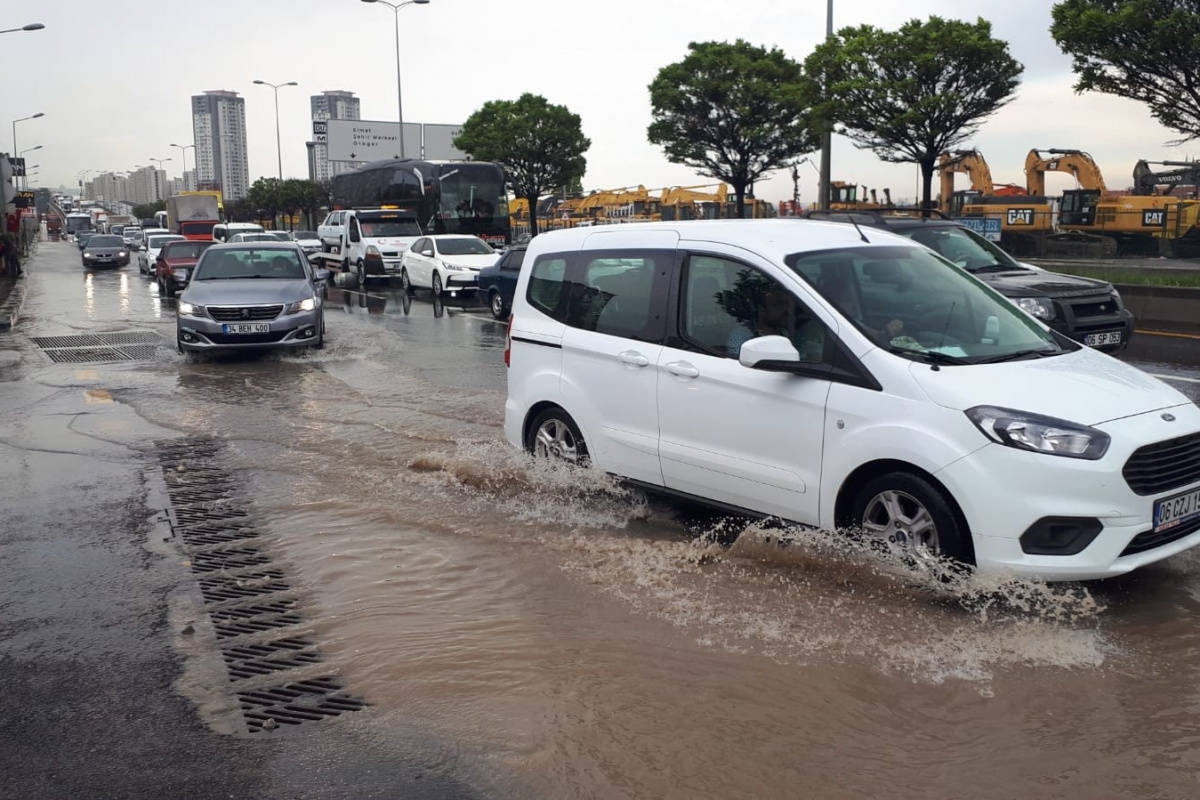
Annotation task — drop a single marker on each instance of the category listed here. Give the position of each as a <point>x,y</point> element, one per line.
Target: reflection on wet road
<point>576,639</point>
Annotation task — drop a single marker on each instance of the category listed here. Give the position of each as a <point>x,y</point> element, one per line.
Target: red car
<point>173,268</point>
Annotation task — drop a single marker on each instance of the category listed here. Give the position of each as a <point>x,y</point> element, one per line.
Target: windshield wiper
<point>928,356</point>
<point>997,267</point>
<point>1018,355</point>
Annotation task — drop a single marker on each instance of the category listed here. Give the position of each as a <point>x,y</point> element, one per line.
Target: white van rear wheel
<point>554,435</point>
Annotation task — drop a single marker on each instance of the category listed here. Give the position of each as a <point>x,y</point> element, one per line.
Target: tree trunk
<point>533,226</point>
<point>927,186</point>
<point>739,193</point>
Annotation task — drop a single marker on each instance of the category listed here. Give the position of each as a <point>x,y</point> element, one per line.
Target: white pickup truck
<point>371,241</point>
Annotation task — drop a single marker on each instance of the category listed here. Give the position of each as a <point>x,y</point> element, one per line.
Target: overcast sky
<point>114,79</point>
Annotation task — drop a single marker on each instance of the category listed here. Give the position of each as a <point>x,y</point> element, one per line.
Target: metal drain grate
<point>239,558</point>
<point>295,703</point>
<point>130,337</point>
<point>101,347</point>
<point>193,515</point>
<point>249,661</point>
<point>236,580</point>
<point>66,341</point>
<point>216,534</point>
<point>216,590</point>
<point>83,355</point>
<point>258,624</point>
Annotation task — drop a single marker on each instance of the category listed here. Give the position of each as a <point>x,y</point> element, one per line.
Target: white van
<point>224,231</point>
<point>847,379</point>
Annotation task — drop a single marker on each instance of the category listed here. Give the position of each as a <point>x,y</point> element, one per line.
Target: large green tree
<point>540,145</point>
<point>733,112</point>
<point>911,94</point>
<point>266,198</point>
<point>1144,50</point>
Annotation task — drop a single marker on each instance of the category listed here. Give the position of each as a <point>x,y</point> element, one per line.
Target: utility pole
<point>827,134</point>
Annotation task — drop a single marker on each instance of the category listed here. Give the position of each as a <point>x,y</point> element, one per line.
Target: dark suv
<point>1087,310</point>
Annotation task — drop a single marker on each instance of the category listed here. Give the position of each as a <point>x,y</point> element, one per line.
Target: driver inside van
<point>775,315</point>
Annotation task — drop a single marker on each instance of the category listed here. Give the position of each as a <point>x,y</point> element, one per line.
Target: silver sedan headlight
<point>307,304</point>
<point>190,310</point>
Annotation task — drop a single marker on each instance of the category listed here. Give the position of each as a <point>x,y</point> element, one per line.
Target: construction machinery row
<point>1159,216</point>
<point>635,204</point>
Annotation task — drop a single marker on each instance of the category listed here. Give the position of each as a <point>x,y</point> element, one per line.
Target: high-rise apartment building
<point>331,105</point>
<point>219,126</point>
<point>147,185</point>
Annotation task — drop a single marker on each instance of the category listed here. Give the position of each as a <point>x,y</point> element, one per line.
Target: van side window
<point>546,281</point>
<point>724,304</point>
<point>617,293</point>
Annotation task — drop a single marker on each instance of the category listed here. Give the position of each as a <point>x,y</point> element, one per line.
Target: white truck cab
<point>373,240</point>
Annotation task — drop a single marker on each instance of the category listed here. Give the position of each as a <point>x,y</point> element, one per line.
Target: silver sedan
<point>252,295</point>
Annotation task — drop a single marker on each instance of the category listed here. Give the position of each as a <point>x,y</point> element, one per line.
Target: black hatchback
<point>498,283</point>
<point>1087,310</point>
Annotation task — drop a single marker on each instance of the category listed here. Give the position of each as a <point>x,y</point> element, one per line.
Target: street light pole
<point>183,148</point>
<point>827,133</point>
<point>399,96</point>
<point>25,178</point>
<point>278,144</point>
<point>14,127</point>
<point>33,26</point>
<point>158,161</point>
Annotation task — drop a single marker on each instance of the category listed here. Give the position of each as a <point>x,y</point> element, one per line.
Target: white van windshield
<point>919,306</point>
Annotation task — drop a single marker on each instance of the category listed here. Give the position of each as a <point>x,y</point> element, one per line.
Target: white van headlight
<point>1040,307</point>
<point>1024,431</point>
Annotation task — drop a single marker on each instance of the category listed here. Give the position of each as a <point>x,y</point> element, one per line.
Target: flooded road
<point>565,637</point>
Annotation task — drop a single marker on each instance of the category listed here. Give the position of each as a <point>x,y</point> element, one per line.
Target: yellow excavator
<point>1153,221</point>
<point>1025,216</point>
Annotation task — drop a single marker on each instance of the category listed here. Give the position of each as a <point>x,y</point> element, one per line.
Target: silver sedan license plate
<point>246,327</point>
<point>1172,511</point>
<point>1101,339</point>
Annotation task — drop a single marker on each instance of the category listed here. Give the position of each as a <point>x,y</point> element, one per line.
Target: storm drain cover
<point>101,347</point>
<point>295,703</point>
<point>247,596</point>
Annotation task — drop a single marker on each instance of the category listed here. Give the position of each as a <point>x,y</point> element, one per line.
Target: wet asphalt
<point>91,651</point>
<point>94,591</point>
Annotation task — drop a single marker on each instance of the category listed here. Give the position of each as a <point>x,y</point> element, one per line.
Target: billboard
<point>360,141</point>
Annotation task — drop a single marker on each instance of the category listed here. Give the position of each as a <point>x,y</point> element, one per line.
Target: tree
<point>148,210</point>
<point>1143,50</point>
<point>733,112</point>
<point>266,198</point>
<point>911,94</point>
<point>540,145</point>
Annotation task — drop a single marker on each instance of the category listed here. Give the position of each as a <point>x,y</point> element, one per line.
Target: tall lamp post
<point>399,97</point>
<point>22,119</point>
<point>25,178</point>
<point>183,148</point>
<point>158,161</point>
<point>33,26</point>
<point>278,146</point>
<point>827,134</point>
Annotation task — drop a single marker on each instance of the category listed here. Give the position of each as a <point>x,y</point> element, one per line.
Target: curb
<point>11,310</point>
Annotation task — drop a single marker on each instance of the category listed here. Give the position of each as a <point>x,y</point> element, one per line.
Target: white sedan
<point>449,263</point>
<point>149,254</point>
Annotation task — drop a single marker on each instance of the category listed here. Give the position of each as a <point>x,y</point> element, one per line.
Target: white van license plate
<point>1101,339</point>
<point>1172,511</point>
<point>254,327</point>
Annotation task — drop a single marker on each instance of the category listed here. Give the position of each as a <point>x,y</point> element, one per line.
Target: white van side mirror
<point>768,352</point>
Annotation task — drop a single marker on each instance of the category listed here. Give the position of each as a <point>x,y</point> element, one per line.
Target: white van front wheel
<point>904,511</point>
<point>554,435</point>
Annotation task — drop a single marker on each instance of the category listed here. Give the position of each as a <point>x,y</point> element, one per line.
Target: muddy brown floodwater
<point>577,640</point>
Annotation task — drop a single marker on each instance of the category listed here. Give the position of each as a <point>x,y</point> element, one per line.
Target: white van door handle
<point>683,369</point>
<point>633,358</point>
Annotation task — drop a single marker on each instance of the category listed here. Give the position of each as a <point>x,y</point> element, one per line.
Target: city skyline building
<point>219,130</point>
<point>331,104</point>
